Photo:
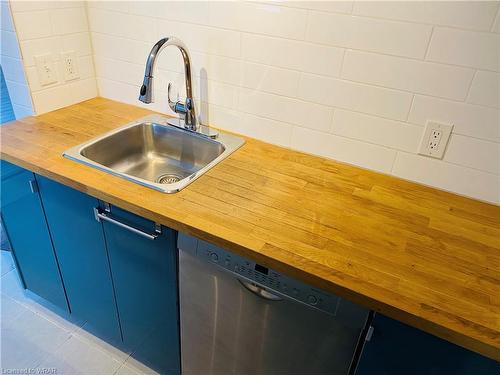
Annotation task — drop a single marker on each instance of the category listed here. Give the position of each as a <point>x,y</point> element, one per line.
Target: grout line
<point>495,19</point>
<point>467,96</point>
<point>409,110</point>
<point>394,161</point>
<point>426,53</point>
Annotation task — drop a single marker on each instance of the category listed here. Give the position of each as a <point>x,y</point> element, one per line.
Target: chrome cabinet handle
<point>102,216</point>
<point>259,291</point>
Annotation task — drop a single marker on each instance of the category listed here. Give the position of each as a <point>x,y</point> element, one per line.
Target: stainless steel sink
<point>153,153</point>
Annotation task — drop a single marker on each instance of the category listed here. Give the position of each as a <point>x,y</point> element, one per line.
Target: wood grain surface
<point>423,256</point>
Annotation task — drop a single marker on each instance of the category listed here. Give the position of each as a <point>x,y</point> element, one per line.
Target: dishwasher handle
<point>260,291</point>
<point>102,216</point>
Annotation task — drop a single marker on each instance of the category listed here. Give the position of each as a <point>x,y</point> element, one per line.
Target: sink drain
<point>168,178</point>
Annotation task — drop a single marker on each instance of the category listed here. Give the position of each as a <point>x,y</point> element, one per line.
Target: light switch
<point>46,69</point>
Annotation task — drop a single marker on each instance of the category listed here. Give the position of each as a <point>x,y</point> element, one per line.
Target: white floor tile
<point>125,370</point>
<point>10,310</point>
<point>135,366</point>
<point>77,357</point>
<point>28,340</point>
<point>10,285</point>
<point>84,334</point>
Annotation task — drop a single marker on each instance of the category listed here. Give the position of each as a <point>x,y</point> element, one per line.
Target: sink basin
<point>154,153</point>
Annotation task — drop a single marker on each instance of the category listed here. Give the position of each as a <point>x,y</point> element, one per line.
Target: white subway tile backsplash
<point>485,89</point>
<point>34,47</point>
<point>69,20</point>
<point>407,74</point>
<point>9,45</point>
<point>376,130</point>
<point>353,81</point>
<point>293,111</point>
<point>477,15</point>
<point>202,38</point>
<point>183,11</point>
<point>347,150</point>
<point>6,23</point>
<point>447,176</point>
<point>120,48</point>
<point>123,25</point>
<point>117,6</point>
<point>217,68</point>
<point>354,96</point>
<point>52,98</point>
<point>86,67</point>
<point>480,154</point>
<point>21,111</point>
<point>369,34</point>
<point>260,18</point>
<point>292,54</point>
<point>26,6</point>
<point>117,70</point>
<point>272,131</point>
<point>31,25</point>
<point>323,6</point>
<point>270,79</point>
<point>467,119</point>
<point>496,25</point>
<point>467,48</point>
<point>53,27</point>
<point>18,93</point>
<point>83,89</point>
<point>77,42</point>
<point>119,91</point>
<point>12,69</point>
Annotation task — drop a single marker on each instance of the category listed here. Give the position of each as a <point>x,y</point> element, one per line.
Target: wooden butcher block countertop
<point>423,256</point>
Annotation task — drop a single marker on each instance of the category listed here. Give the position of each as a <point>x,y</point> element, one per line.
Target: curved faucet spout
<point>187,109</point>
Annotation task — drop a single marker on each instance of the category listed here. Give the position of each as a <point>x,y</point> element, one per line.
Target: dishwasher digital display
<point>261,269</point>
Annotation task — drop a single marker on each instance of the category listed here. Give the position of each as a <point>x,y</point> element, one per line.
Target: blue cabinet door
<point>25,225</point>
<point>145,277</point>
<point>396,348</point>
<point>80,247</point>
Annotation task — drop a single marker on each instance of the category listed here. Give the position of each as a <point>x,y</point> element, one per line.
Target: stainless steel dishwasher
<point>241,318</point>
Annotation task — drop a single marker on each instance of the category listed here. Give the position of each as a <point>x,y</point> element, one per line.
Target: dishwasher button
<point>312,299</point>
<point>214,257</point>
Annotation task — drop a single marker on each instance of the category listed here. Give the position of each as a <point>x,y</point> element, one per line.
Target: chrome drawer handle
<point>259,291</point>
<point>102,216</point>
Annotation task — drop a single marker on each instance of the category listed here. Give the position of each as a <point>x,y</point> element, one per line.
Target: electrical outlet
<point>70,65</point>
<point>435,139</point>
<point>46,69</point>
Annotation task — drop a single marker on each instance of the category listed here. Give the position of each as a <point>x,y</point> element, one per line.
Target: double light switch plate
<point>435,139</point>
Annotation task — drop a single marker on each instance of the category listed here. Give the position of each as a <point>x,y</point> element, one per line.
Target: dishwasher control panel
<point>274,281</point>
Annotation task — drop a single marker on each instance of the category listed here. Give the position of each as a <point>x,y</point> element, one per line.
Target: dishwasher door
<point>226,329</point>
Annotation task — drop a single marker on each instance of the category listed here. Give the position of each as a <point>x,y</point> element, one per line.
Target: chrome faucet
<point>187,109</point>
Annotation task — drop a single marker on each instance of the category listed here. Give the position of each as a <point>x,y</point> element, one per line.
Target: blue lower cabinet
<point>24,222</point>
<point>144,269</point>
<point>396,348</point>
<point>80,247</point>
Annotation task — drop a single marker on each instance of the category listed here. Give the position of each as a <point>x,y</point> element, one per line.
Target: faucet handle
<point>171,104</point>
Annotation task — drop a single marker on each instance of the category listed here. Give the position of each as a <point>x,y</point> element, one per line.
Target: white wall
<point>12,65</point>
<point>353,81</point>
<point>55,27</point>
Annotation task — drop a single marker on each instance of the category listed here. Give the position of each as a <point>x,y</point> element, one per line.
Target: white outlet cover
<point>435,139</point>
<point>69,62</point>
<point>46,69</point>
